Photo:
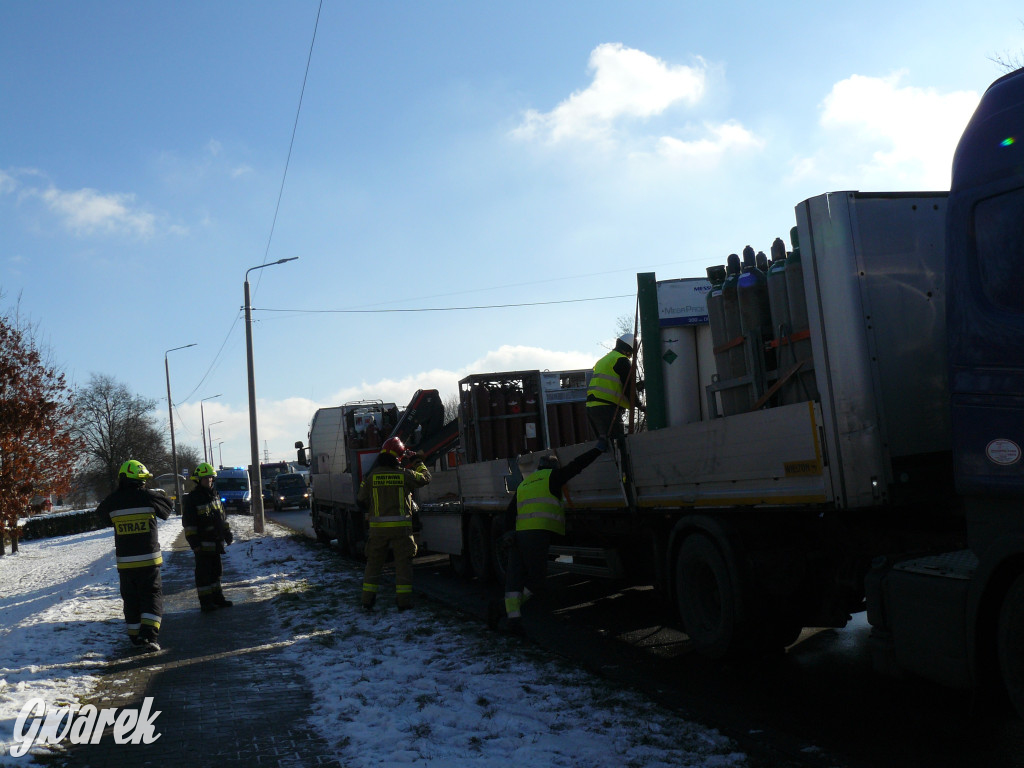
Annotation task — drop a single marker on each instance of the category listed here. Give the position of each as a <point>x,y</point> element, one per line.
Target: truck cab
<point>958,617</point>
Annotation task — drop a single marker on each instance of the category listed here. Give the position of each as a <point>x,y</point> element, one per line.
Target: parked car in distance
<point>290,491</point>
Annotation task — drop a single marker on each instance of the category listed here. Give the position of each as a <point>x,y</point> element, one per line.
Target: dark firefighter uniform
<point>386,493</point>
<point>207,532</point>
<point>132,511</point>
<point>536,514</point>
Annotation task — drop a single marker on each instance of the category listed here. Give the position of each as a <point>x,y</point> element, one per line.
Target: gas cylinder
<point>580,423</point>
<point>481,415</point>
<point>516,428</point>
<point>499,426</point>
<point>778,302</point>
<point>755,313</point>
<point>734,400</point>
<point>804,383</point>
<point>532,416</point>
<point>554,428</point>
<point>762,261</point>
<point>716,319</point>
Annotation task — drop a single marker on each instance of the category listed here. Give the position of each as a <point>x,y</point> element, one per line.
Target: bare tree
<point>1009,61</point>
<point>451,408</point>
<point>114,425</point>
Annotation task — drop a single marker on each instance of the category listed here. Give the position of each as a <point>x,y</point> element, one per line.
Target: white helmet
<point>629,340</point>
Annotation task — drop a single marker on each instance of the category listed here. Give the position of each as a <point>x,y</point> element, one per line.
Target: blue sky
<point>445,155</point>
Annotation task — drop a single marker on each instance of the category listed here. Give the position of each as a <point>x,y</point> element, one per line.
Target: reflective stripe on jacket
<point>537,509</point>
<point>132,511</point>
<point>606,387</point>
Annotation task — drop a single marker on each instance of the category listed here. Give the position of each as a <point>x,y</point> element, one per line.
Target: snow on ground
<point>423,687</point>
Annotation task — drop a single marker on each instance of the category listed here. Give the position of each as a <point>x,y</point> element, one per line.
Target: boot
<point>206,604</point>
<point>369,599</point>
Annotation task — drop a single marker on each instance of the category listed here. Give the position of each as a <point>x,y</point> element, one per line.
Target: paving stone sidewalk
<point>225,696</point>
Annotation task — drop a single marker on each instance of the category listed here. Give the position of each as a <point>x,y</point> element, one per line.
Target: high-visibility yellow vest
<point>537,509</point>
<point>605,383</point>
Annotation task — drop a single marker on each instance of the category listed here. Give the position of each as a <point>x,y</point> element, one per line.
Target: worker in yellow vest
<point>535,514</point>
<point>608,392</point>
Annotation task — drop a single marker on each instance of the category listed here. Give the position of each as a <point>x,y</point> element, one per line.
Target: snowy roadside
<point>60,619</point>
<point>421,687</point>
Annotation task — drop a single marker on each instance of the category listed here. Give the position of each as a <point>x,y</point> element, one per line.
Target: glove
<point>228,536</point>
<point>602,444</point>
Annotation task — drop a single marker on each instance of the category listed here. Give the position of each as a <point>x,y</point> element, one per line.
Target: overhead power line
<point>439,309</point>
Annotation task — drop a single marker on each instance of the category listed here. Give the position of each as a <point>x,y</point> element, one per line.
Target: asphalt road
<point>818,704</point>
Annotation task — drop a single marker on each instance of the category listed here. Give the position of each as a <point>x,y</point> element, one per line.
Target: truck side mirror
<point>300,452</point>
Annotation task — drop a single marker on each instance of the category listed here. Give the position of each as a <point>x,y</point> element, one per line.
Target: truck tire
<point>460,566</point>
<point>355,535</point>
<point>1010,643</point>
<point>499,554</point>
<point>321,534</point>
<point>706,597</point>
<point>480,546</point>
<point>344,543</point>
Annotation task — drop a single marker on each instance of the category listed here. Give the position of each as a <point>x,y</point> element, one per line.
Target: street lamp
<point>221,451</point>
<point>202,432</point>
<point>257,481</point>
<point>170,414</point>
<point>209,435</point>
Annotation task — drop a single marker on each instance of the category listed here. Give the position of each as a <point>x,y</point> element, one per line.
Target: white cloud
<point>880,133</point>
<point>86,211</point>
<point>719,139</point>
<point>627,83</point>
<point>7,183</point>
<point>505,358</point>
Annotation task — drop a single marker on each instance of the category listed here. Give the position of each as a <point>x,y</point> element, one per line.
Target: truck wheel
<point>460,566</point>
<point>706,597</point>
<point>1010,642</point>
<point>499,554</point>
<point>355,540</point>
<point>321,534</point>
<point>480,546</point>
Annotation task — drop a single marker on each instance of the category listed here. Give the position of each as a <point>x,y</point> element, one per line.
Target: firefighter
<point>386,495</point>
<point>535,514</point>
<point>207,532</point>
<point>607,394</point>
<point>132,511</point>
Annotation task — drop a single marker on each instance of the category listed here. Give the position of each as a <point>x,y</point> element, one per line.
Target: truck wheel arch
<point>994,587</point>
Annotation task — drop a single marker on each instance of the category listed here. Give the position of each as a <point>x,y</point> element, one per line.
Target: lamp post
<point>257,481</point>
<point>170,414</point>
<point>209,435</point>
<point>221,451</point>
<point>202,432</point>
